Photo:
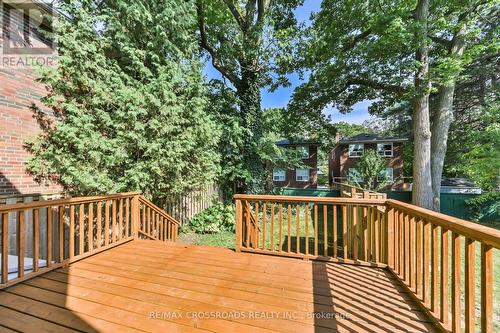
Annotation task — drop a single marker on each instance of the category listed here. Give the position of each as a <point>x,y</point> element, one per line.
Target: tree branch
<point>216,61</point>
<point>357,39</point>
<point>237,15</point>
<point>392,88</point>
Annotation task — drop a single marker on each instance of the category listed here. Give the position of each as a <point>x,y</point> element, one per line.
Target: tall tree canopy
<point>130,101</point>
<point>244,39</point>
<point>396,51</point>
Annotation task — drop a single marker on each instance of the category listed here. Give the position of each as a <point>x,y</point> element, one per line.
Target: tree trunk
<point>249,102</point>
<point>443,118</point>
<point>422,186</point>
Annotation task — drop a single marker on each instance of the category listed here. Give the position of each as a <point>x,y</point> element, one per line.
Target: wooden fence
<point>184,207</point>
<point>416,245</point>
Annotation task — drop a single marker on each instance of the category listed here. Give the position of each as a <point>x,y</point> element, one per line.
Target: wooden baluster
<point>49,236</point>
<point>272,227</point>
<point>335,232</point>
<point>306,214</point>
<point>486,288</point>
<point>142,224</point>
<point>247,223</point>
<point>364,225</point>
<point>470,301</point>
<point>5,248</point>
<point>289,236</point>
<point>256,226</point>
<point>160,229</point>
<point>444,315</point>
<point>99,222</point>
<point>390,236</point>
<point>36,238</point>
<point>148,221</point>
<point>280,217</point>
<point>264,225</point>
<point>325,230</point>
<point>81,228</point>
<point>426,260</point>
<point>376,233</point>
<point>412,253</point>
<point>238,220</point>
<point>91,226</point>
<point>20,243</point>
<point>316,229</point>
<point>396,242</point>
<point>455,283</point>
<point>418,282</point>
<point>344,230</point>
<point>61,233</point>
<point>71,231</point>
<point>401,244</point>
<point>434,268</point>
<point>355,232</point>
<point>119,224</point>
<point>297,229</point>
<point>106,222</point>
<point>127,217</point>
<point>407,248</point>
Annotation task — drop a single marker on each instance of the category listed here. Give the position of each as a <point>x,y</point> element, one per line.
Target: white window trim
<point>361,178</point>
<point>391,179</point>
<point>279,173</point>
<point>386,143</point>
<point>308,152</point>
<point>356,156</point>
<point>302,180</point>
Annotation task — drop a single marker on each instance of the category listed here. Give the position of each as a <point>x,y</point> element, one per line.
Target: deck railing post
<point>135,216</point>
<point>238,221</point>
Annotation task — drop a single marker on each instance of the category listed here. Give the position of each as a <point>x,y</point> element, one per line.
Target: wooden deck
<point>147,286</point>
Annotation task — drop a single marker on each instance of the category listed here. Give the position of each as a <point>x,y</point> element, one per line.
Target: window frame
<point>360,176</point>
<point>275,171</point>
<point>383,144</point>
<point>302,180</point>
<point>356,144</point>
<point>305,148</point>
<point>391,179</point>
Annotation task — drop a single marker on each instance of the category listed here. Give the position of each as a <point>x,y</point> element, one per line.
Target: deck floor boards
<point>145,286</point>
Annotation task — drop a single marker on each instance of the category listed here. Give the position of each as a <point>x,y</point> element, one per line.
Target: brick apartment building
<point>299,178</point>
<point>19,92</point>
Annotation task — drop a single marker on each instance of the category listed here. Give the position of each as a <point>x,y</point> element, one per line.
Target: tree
<point>242,38</point>
<point>130,102</point>
<point>370,166</point>
<point>392,54</point>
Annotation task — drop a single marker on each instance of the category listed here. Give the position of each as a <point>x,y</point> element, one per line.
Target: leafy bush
<point>213,220</point>
<point>485,208</point>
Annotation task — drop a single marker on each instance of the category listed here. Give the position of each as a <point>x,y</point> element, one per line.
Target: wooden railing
<point>416,245</point>
<point>74,228</point>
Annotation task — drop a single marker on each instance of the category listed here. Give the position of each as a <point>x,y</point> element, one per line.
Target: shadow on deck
<point>158,287</point>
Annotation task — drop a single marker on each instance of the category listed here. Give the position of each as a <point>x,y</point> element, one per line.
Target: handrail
<point>416,245</point>
<point>468,229</point>
<point>66,230</point>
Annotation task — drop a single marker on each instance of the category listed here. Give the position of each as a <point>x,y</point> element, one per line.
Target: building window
<point>386,176</point>
<point>302,175</point>
<point>279,175</point>
<point>356,150</point>
<point>303,151</point>
<point>384,149</point>
<point>354,176</point>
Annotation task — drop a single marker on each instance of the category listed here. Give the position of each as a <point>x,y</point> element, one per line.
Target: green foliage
<point>370,166</point>
<point>215,219</point>
<point>130,102</point>
<point>486,207</point>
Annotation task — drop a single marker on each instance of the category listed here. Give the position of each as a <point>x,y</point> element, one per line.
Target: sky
<point>281,96</point>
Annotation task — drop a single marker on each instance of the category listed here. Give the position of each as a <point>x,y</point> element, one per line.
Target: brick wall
<point>311,162</point>
<point>18,92</point>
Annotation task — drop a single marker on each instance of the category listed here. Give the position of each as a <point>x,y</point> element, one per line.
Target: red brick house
<point>19,92</point>
<point>343,158</point>
<point>299,178</point>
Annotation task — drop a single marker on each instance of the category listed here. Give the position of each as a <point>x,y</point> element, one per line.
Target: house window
<point>279,175</point>
<point>384,149</point>
<point>354,176</point>
<point>356,150</point>
<point>303,151</point>
<point>386,175</point>
<point>302,175</point>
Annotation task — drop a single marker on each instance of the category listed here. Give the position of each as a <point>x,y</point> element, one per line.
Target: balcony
<point>301,264</point>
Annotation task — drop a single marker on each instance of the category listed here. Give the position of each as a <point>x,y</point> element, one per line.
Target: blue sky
<point>281,96</point>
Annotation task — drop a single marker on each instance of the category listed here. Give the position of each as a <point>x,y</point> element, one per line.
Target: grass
<point>222,239</point>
